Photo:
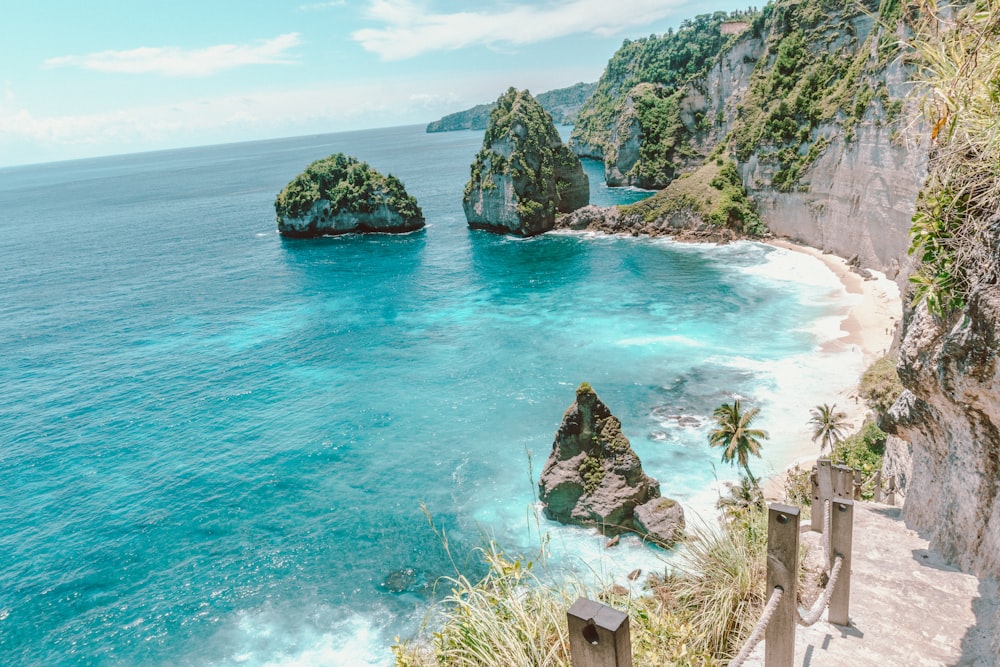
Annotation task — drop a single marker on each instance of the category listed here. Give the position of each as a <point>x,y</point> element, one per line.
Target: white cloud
<point>409,31</point>
<point>175,61</point>
<point>315,6</point>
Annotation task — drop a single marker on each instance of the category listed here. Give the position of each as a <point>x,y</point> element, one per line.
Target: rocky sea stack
<point>340,195</point>
<point>594,478</point>
<point>524,173</point>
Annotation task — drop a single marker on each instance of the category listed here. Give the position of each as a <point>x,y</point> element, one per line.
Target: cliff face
<point>950,417</point>
<point>808,99</point>
<point>949,360</point>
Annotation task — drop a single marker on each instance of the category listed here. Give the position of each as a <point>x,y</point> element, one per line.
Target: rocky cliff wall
<point>950,416</point>
<point>861,192</point>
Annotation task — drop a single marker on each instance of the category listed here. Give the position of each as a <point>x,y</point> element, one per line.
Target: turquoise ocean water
<point>215,443</point>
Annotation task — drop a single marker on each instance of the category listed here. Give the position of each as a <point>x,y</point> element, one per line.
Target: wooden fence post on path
<point>598,635</point>
<point>841,539</point>
<point>825,482</point>
<point>782,572</point>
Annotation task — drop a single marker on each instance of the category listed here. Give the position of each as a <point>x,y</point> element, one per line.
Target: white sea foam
<point>324,637</point>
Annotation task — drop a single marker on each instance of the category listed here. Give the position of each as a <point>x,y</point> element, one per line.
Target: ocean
<point>220,447</point>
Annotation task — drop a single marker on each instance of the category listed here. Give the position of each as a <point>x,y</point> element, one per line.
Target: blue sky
<point>102,77</point>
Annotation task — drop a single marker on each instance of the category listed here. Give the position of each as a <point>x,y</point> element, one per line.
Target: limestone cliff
<point>524,173</point>
<point>808,99</point>
<point>949,359</point>
<point>594,478</point>
<point>340,195</point>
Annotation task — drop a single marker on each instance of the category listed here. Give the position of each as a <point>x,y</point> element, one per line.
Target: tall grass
<point>699,614</point>
<point>959,55</point>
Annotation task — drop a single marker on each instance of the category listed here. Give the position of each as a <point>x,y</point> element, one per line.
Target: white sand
<point>869,324</point>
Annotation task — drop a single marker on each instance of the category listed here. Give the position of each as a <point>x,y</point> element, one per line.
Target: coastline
<point>869,326</point>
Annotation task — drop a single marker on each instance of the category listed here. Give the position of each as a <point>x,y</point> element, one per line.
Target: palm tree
<point>828,425</point>
<point>733,432</point>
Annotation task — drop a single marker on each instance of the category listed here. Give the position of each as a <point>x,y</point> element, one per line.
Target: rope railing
<point>758,630</point>
<point>816,611</point>
<point>599,635</point>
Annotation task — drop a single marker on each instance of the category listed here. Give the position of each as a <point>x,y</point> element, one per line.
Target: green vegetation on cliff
<point>349,185</point>
<point>819,72</point>
<point>643,83</point>
<point>714,192</point>
<point>522,142</point>
<point>956,214</point>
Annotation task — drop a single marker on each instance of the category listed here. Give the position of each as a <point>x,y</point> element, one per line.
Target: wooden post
<point>842,479</point>
<point>841,537</point>
<point>816,523</point>
<point>825,481</point>
<point>598,635</point>
<point>878,486</point>
<point>891,496</point>
<point>782,572</point>
<point>857,485</point>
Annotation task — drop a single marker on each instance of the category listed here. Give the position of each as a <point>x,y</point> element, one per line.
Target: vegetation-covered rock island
<point>524,173</point>
<point>340,195</point>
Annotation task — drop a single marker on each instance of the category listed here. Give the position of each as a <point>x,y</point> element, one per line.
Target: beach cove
<point>219,442</point>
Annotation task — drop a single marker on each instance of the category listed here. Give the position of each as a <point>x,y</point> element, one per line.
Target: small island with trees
<point>340,195</point>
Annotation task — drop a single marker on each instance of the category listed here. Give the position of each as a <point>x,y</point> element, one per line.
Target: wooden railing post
<point>878,486</point>
<point>843,477</point>
<point>891,496</point>
<point>598,635</point>
<point>825,483</point>
<point>841,538</point>
<point>782,572</point>
<point>857,485</point>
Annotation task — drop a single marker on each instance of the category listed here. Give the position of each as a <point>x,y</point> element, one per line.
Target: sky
<point>103,77</point>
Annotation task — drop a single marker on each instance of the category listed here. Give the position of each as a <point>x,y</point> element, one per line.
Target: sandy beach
<point>869,325</point>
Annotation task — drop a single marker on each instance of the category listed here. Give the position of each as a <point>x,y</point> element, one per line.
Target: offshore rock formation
<point>524,173</point>
<point>340,195</point>
<point>594,478</point>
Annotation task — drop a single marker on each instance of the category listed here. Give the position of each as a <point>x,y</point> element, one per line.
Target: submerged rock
<point>524,173</point>
<point>594,478</point>
<point>340,195</point>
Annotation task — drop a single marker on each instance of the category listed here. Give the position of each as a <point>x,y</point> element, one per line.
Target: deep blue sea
<point>216,444</point>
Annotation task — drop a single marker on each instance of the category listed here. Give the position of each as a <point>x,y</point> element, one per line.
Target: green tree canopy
<point>734,434</point>
<point>828,425</point>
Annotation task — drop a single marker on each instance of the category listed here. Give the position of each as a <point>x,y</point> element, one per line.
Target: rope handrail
<point>758,630</point>
<point>827,527</point>
<point>823,600</point>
